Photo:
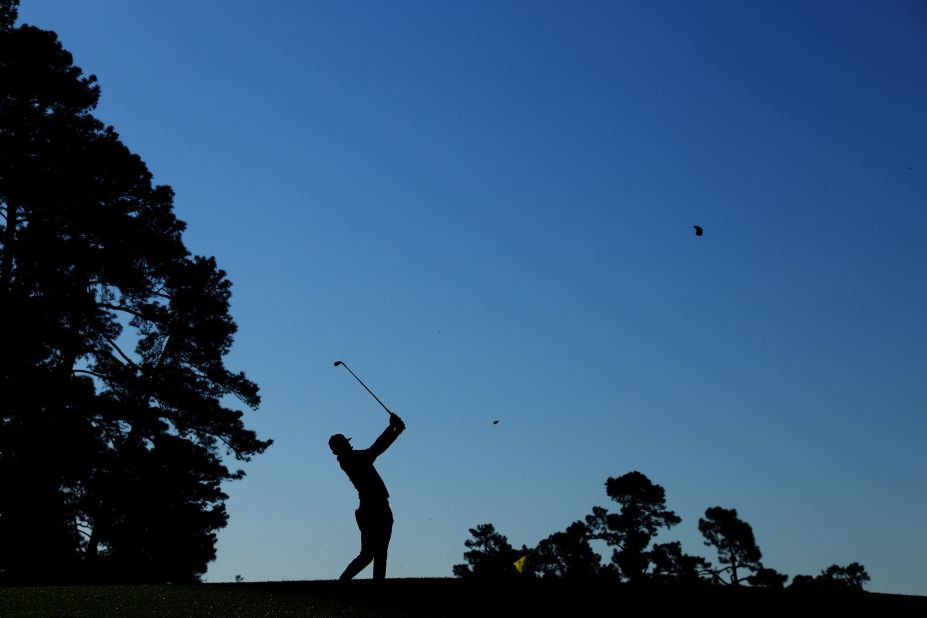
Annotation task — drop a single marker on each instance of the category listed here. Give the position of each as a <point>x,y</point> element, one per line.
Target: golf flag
<point>520,564</point>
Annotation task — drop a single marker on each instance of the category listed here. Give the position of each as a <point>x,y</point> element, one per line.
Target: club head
<point>338,363</point>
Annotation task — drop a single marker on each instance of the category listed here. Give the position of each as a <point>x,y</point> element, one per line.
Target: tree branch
<point>126,310</point>
<point>79,529</point>
<point>160,294</point>
<point>123,354</point>
<point>91,373</point>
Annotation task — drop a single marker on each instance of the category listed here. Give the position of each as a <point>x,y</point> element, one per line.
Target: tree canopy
<point>488,555</point>
<point>568,555</point>
<point>643,513</point>
<point>733,539</point>
<point>852,577</point>
<point>117,412</point>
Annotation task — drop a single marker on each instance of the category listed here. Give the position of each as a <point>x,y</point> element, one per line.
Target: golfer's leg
<point>357,565</point>
<point>366,553</point>
<point>382,547</point>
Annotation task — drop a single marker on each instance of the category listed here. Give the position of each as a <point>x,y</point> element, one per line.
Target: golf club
<point>364,385</point>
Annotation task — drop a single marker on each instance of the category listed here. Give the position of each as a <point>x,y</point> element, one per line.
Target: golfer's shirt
<point>358,465</point>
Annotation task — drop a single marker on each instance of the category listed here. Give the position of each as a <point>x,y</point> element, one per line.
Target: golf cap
<point>337,440</point>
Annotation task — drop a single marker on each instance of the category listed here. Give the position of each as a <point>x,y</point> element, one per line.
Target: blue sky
<point>485,209</point>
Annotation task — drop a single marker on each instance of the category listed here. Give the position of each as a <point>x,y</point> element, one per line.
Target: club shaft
<point>368,390</point>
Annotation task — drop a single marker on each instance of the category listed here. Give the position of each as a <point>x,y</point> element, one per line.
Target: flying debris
<point>698,230</point>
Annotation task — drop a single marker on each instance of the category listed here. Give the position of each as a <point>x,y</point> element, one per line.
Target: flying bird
<point>698,230</point>
<point>495,422</point>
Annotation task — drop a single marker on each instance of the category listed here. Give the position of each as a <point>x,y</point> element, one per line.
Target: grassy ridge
<point>423,597</point>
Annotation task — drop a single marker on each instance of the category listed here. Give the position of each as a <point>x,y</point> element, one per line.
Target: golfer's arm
<point>382,443</point>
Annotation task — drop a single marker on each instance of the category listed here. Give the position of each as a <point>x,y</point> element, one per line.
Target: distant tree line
<point>635,558</point>
<point>117,414</point>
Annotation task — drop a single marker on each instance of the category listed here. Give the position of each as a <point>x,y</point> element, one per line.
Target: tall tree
<point>114,419</point>
<point>643,512</point>
<point>733,539</point>
<point>488,555</point>
<point>566,555</point>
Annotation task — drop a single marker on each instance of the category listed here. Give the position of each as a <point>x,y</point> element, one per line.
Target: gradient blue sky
<point>485,208</point>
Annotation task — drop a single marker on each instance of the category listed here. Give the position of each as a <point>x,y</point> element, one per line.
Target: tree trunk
<point>93,545</point>
<point>9,235</point>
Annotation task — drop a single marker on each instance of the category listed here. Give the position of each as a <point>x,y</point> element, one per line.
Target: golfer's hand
<point>396,422</point>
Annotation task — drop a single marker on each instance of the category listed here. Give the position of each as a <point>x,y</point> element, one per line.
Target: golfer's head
<point>339,444</point>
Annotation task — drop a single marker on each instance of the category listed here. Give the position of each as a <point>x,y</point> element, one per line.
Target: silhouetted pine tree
<point>566,555</point>
<point>489,555</point>
<point>643,512</point>
<point>113,414</point>
<point>733,539</point>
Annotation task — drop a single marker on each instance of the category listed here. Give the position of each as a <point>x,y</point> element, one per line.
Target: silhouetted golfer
<point>374,517</point>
